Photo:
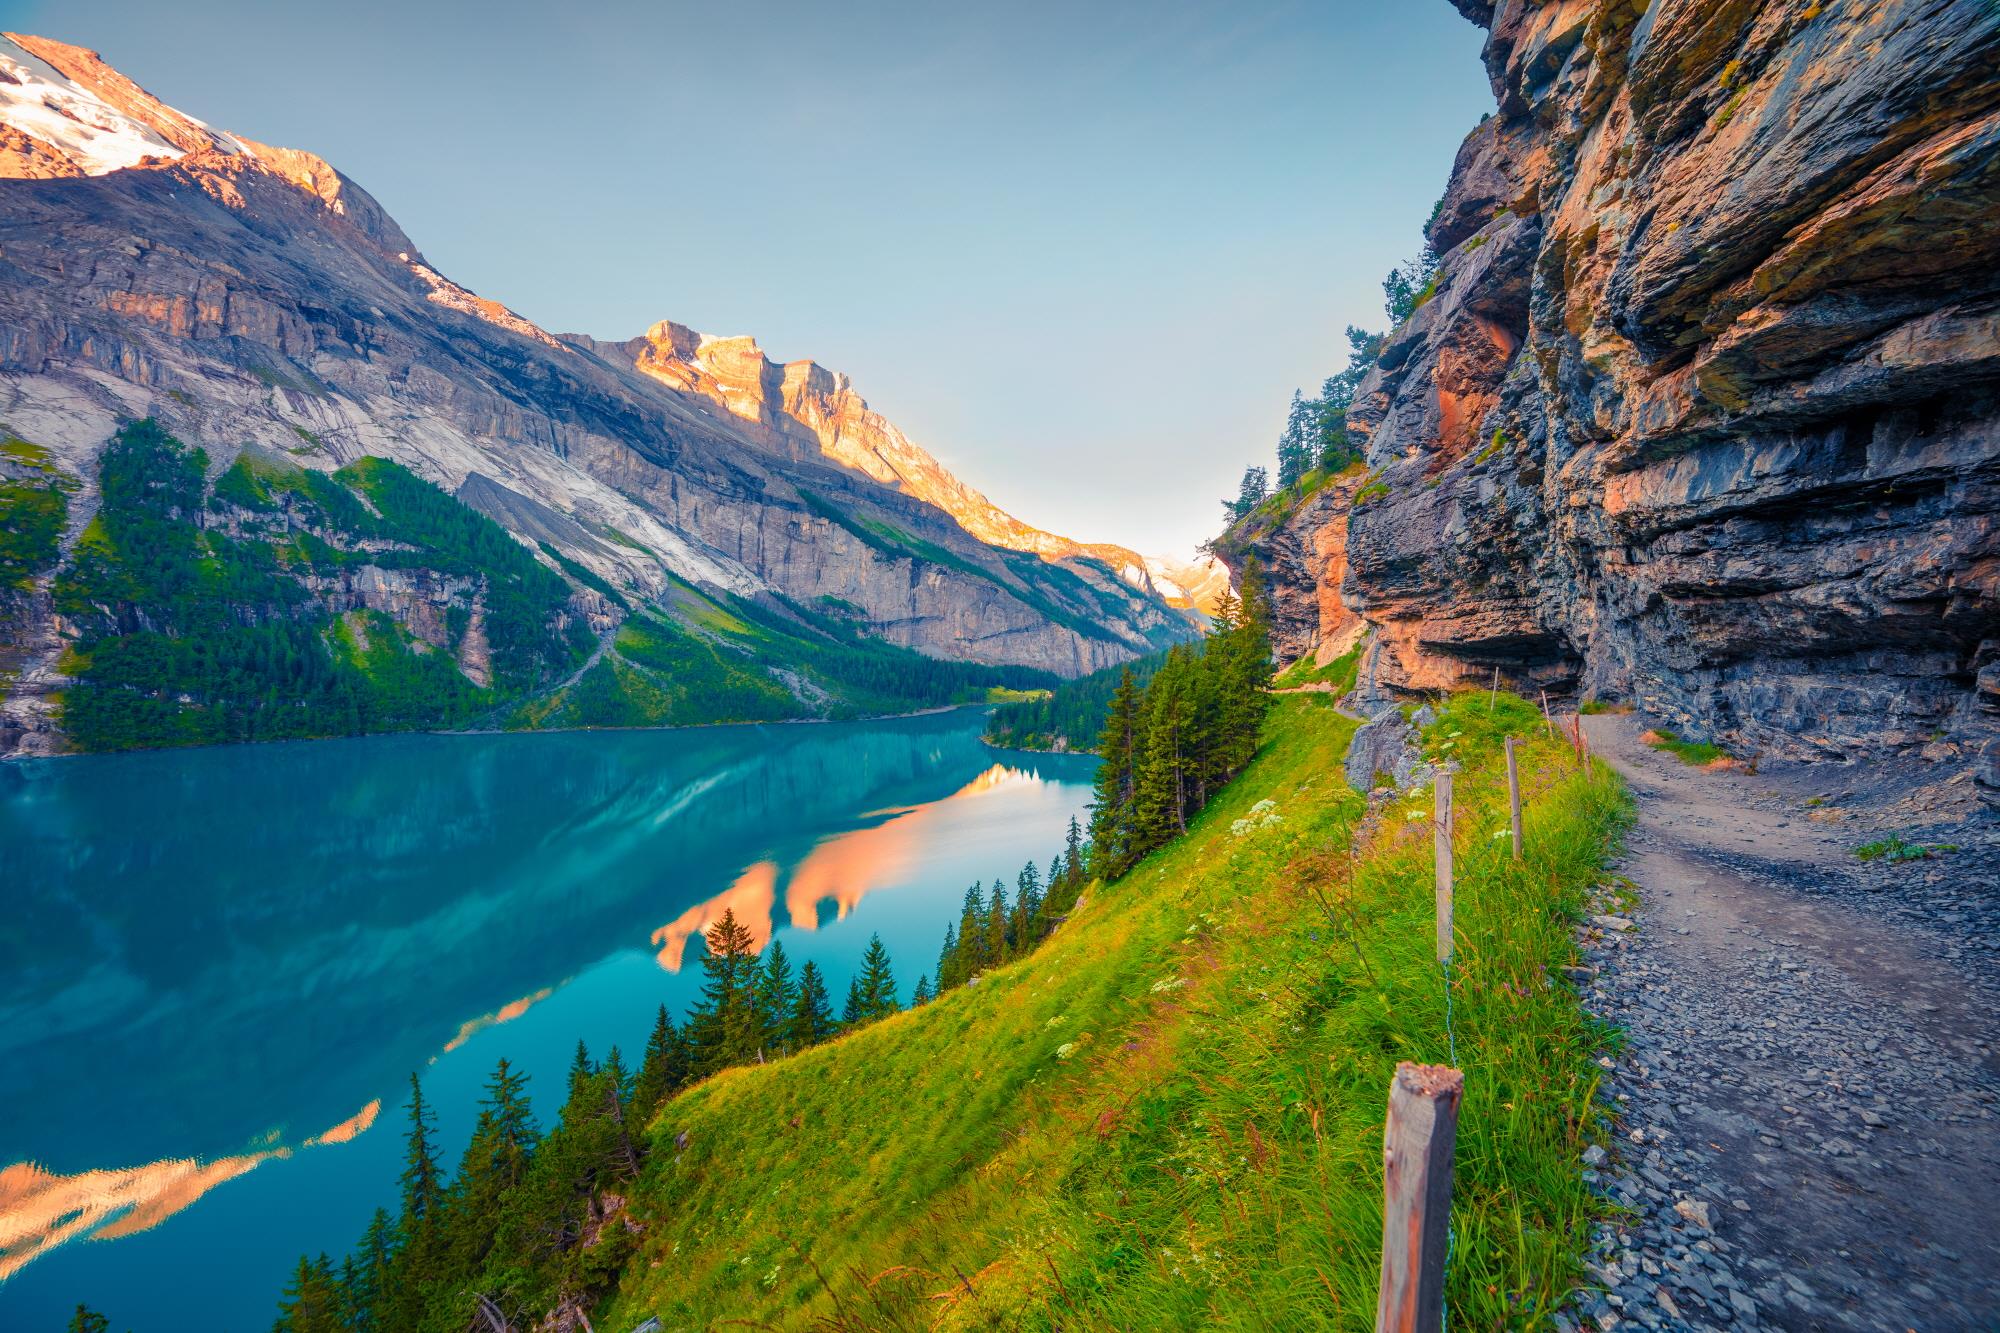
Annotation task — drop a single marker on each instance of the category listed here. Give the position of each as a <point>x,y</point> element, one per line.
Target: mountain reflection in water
<point>841,870</point>
<point>212,956</point>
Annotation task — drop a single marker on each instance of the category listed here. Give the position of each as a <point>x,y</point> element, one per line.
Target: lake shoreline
<point>19,757</point>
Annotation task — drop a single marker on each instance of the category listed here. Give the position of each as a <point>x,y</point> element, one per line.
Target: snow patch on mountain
<point>41,103</point>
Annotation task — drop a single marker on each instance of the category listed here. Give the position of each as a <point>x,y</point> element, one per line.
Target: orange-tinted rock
<point>1705,411</point>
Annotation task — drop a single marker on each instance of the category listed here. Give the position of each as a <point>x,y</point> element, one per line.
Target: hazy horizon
<point>1082,258</point>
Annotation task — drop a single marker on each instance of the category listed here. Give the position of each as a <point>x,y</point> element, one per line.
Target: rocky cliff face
<point>803,407</point>
<point>249,295</point>
<point>1705,410</point>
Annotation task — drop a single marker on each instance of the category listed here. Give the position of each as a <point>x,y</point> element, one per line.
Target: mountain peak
<point>81,117</point>
<point>806,408</point>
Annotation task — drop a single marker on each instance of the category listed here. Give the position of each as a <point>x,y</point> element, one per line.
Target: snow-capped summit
<point>66,113</point>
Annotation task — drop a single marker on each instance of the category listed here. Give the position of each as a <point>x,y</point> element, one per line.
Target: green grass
<point>1592,707</point>
<point>1698,753</point>
<point>17,450</point>
<point>1339,673</point>
<point>1000,694</point>
<point>1170,1115</point>
<point>1893,849</point>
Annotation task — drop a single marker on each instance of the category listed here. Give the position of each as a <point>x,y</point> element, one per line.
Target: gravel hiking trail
<point>1808,1089</point>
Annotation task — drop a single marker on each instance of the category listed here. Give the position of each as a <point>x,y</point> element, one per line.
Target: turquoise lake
<point>218,968</point>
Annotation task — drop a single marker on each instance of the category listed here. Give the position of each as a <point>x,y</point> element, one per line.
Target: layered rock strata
<point>1704,411</point>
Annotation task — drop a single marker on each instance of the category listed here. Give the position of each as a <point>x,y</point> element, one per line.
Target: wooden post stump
<point>1441,842</point>
<point>1514,793</point>
<point>1417,1145</point>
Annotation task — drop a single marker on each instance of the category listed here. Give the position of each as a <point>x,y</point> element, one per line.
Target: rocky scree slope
<point>243,295</point>
<point>1704,408</point>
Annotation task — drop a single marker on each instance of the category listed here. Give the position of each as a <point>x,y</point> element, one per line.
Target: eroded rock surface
<point>1705,410</point>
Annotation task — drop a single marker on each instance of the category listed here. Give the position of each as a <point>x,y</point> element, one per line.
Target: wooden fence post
<point>1514,793</point>
<point>1441,842</point>
<point>1417,1147</point>
<point>1548,723</point>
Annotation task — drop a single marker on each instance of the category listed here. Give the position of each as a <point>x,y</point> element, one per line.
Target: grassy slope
<point>1170,1116</point>
<point>1339,673</point>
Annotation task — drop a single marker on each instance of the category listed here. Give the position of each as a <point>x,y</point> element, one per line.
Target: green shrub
<point>1892,849</point>
<point>1697,753</point>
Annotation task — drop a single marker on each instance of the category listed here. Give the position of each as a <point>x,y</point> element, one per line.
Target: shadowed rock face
<point>1705,412</point>
<point>250,295</point>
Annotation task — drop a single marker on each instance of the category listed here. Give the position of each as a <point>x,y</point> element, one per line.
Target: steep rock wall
<point>1705,410</point>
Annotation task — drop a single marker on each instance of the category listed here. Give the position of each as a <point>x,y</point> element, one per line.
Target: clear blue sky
<point>1082,252</point>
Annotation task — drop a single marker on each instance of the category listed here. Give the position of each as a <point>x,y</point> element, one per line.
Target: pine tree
<point>947,960</point>
<point>1255,489</point>
<point>1227,610</point>
<point>1073,854</point>
<point>777,995</point>
<point>921,995</point>
<point>421,1187</point>
<point>1113,813</point>
<point>855,1012</point>
<point>1296,452</point>
<point>1159,803</point>
<point>87,1320</point>
<point>420,1251</point>
<point>972,958</point>
<point>367,1284</point>
<point>663,1070</point>
<point>812,1017</point>
<point>496,1161</point>
<point>1245,694</point>
<point>619,1077</point>
<point>995,947</point>
<point>877,982</point>
<point>580,1068</point>
<point>1409,285</point>
<point>311,1303</point>
<point>722,1027</point>
<point>614,1097</point>
<point>512,1118</point>
<point>1026,923</point>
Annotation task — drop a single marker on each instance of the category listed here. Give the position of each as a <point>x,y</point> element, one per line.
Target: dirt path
<point>1811,1064</point>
